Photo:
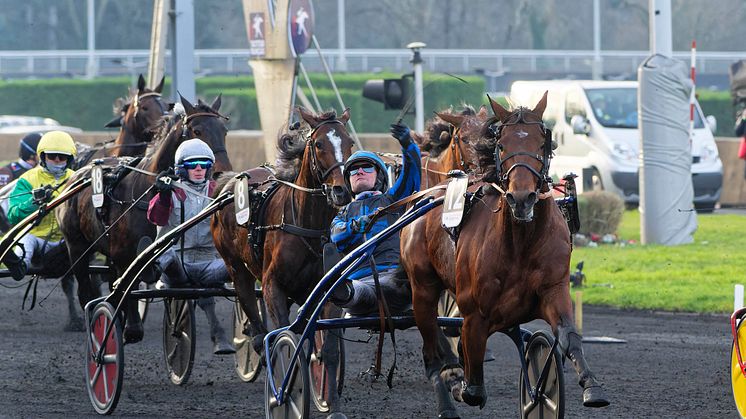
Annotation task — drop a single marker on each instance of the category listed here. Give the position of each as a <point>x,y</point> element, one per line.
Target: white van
<point>594,124</point>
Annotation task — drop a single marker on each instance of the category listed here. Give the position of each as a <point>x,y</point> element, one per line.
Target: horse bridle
<point>320,174</point>
<point>188,118</point>
<point>456,145</point>
<point>518,119</point>
<point>139,97</point>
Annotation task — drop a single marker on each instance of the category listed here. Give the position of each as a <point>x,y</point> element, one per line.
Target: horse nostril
<point>531,199</point>
<point>510,198</point>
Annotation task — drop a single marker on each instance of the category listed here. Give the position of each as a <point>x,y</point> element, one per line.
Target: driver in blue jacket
<point>367,179</point>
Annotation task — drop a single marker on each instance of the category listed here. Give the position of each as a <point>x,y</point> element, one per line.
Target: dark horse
<point>510,263</point>
<point>138,118</point>
<point>449,141</point>
<point>288,262</point>
<point>82,225</point>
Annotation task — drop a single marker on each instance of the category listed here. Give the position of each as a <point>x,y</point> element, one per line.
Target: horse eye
<point>145,108</point>
<point>197,133</point>
<point>318,145</point>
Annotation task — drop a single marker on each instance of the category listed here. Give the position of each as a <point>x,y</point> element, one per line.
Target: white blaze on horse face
<point>337,143</point>
<point>521,134</point>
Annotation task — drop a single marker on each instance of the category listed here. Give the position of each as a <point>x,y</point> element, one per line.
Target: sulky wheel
<point>738,380</point>
<point>318,371</point>
<point>447,308</point>
<point>104,369</point>
<point>550,395</point>
<point>297,397</point>
<point>178,339</point>
<point>248,361</point>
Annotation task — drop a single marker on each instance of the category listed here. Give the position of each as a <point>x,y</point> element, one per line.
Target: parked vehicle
<point>594,124</point>
<point>17,124</point>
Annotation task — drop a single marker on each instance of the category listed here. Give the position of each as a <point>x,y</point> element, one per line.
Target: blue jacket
<point>387,253</point>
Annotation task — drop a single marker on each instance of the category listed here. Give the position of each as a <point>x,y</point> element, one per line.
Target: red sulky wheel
<point>104,368</point>
<point>318,371</point>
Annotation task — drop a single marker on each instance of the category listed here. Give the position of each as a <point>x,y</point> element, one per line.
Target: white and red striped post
<point>692,96</point>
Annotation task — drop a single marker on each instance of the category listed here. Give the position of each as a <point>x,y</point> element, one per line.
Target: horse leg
<point>75,320</point>
<point>441,364</point>
<point>474,342</point>
<point>557,311</point>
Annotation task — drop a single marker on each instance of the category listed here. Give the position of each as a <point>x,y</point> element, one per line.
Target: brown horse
<point>138,118</point>
<point>510,263</point>
<point>288,262</point>
<point>82,224</point>
<point>449,140</point>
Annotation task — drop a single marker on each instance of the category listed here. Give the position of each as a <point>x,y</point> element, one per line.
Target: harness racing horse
<point>138,120</point>
<point>449,141</point>
<point>293,219</point>
<point>509,262</point>
<point>83,225</point>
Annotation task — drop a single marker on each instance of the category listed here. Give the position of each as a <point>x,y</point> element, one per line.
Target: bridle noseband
<point>517,118</point>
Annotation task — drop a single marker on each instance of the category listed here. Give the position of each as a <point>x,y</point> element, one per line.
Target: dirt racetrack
<point>674,365</point>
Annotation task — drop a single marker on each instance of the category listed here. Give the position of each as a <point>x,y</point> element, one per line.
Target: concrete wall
<point>246,150</point>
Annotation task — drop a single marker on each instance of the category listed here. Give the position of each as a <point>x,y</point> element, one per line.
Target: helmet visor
<point>192,164</point>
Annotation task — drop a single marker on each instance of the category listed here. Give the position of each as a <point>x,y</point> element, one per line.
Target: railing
<point>72,63</point>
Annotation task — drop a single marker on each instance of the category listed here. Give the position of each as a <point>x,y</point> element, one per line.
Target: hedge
<point>88,103</point>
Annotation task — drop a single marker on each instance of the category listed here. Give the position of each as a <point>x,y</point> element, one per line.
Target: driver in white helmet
<point>37,186</point>
<point>193,261</point>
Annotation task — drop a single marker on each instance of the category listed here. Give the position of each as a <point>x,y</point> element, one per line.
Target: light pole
<point>419,105</point>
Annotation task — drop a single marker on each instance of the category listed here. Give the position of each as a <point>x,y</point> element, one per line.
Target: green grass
<point>697,277</point>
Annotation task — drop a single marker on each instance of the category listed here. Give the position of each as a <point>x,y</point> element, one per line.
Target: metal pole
<point>342,60</point>
<point>90,68</point>
<point>597,64</point>
<point>419,102</point>
<point>660,28</point>
<point>183,49</point>
<point>158,38</point>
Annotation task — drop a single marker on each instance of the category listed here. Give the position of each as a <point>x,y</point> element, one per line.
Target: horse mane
<point>291,143</point>
<point>438,132</point>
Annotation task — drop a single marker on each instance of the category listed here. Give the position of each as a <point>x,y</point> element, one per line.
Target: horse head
<point>523,148</point>
<point>464,135</point>
<point>328,145</point>
<point>203,121</point>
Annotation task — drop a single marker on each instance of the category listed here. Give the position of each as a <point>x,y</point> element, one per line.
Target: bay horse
<point>449,141</point>
<point>508,264</point>
<point>138,119</point>
<point>295,224</point>
<point>82,225</point>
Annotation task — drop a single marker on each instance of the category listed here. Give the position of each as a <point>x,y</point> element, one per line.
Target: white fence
<point>73,63</point>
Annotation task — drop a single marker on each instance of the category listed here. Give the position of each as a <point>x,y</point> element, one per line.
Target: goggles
<point>366,169</point>
<point>56,156</point>
<point>192,164</point>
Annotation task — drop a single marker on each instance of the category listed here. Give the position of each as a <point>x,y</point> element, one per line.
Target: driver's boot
<point>133,329</point>
<point>221,344</point>
<point>16,265</point>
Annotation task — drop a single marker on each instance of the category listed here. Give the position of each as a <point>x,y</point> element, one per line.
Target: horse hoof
<point>133,334</point>
<point>449,414</point>
<point>75,326</point>
<point>595,397</point>
<point>336,415</point>
<point>453,378</point>
<point>474,396</point>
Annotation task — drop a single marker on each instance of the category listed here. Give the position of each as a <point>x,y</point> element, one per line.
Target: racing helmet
<point>29,142</point>
<point>194,149</point>
<point>382,177</point>
<point>58,142</point>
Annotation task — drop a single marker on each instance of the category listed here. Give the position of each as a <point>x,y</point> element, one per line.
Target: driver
<point>193,261</point>
<point>367,178</point>
<point>35,187</point>
<point>26,159</point>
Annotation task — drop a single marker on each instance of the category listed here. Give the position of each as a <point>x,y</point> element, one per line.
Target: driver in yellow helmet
<point>56,151</point>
